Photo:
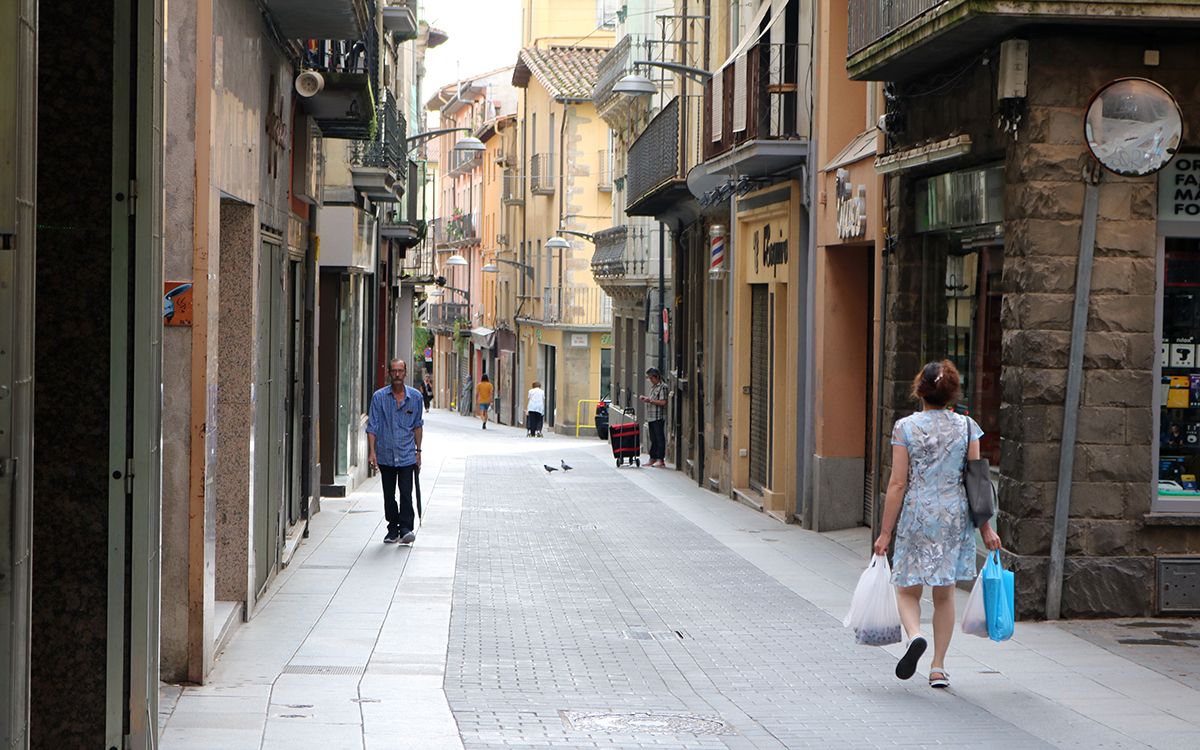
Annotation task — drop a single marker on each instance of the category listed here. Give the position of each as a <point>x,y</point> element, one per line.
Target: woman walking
<point>535,409</point>
<point>483,397</point>
<point>935,545</point>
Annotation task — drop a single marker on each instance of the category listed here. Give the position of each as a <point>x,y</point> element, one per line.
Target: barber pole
<point>716,265</point>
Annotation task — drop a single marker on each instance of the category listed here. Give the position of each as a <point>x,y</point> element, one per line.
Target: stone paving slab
<point>583,592</point>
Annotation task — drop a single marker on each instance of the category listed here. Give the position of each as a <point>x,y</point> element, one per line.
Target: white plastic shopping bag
<point>873,614</point>
<point>974,621</point>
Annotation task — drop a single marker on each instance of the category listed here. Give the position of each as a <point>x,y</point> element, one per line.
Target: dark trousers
<point>399,518</point>
<point>658,440</point>
<point>533,420</point>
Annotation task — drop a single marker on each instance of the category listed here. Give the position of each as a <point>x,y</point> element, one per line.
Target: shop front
<point>766,341</point>
<point>845,340</point>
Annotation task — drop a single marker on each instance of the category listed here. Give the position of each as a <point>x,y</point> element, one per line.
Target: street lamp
<point>636,84</point>
<point>491,267</point>
<point>469,143</point>
<point>457,260</point>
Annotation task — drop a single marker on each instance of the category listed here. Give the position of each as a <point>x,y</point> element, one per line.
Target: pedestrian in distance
<point>535,409</point>
<point>935,545</point>
<point>656,416</point>
<point>427,391</point>
<point>394,431</point>
<point>483,396</point>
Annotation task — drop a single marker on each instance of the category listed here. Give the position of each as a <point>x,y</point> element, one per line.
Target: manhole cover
<point>644,722</point>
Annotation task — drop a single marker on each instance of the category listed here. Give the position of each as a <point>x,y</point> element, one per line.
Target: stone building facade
<point>984,245</point>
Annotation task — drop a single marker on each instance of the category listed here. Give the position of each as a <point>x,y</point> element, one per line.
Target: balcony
<point>896,40</point>
<point>604,173</point>
<point>511,193</point>
<point>462,230</point>
<point>345,106</point>
<point>405,232</point>
<point>541,174</point>
<point>379,167</point>
<point>443,315</point>
<point>399,19</point>
<point>462,162</point>
<point>626,257</point>
<point>345,20</point>
<point>660,159</point>
<point>577,307</point>
<point>753,124</point>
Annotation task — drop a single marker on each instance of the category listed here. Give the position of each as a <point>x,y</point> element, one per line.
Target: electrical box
<point>1014,69</point>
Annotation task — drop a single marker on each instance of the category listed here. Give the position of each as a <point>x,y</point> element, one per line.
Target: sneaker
<point>392,537</point>
<point>485,425</point>
<point>409,538</point>
<point>907,665</point>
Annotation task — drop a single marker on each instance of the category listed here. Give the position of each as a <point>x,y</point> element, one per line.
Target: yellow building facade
<point>562,317</point>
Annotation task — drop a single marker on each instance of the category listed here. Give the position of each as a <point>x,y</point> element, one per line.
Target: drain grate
<point>654,635</point>
<point>644,722</point>
<point>314,566</point>
<point>321,669</point>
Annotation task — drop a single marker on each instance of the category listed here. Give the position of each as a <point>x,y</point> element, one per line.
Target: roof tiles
<point>568,73</point>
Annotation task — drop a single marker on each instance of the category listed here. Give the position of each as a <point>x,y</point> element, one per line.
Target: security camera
<point>309,83</point>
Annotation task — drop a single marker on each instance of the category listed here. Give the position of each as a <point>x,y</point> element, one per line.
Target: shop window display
<point>1179,393</point>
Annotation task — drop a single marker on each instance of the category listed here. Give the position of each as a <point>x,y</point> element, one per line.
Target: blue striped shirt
<point>392,424</point>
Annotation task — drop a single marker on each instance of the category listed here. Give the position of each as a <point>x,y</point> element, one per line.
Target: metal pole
<point>1066,461</point>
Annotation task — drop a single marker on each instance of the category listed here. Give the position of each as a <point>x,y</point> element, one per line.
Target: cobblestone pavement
<point>581,592</point>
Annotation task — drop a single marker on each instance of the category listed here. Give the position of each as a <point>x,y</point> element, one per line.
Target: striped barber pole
<point>716,255</point>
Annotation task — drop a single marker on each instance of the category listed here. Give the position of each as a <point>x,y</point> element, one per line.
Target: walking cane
<point>417,483</point>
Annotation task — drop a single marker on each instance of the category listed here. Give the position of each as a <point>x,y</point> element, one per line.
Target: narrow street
<point>626,608</point>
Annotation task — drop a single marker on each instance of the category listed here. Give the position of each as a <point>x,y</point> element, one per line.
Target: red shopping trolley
<point>626,441</point>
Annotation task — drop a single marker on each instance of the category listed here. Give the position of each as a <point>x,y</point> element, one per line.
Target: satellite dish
<point>1133,126</point>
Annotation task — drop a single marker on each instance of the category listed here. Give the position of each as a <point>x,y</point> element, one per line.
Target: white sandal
<point>939,682</point>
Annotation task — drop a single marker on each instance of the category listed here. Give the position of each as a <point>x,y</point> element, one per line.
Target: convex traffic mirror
<point>1133,126</point>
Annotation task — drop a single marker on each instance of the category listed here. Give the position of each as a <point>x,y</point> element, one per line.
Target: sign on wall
<point>851,208</point>
<point>579,340</point>
<point>177,303</point>
<point>1179,189</point>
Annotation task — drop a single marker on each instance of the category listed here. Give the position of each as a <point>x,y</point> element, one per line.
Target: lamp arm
<point>697,74</point>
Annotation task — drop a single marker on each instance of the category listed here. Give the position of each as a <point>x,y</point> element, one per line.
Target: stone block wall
<point>1110,568</point>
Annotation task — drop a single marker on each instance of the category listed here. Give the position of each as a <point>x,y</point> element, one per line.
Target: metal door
<point>550,384</point>
<point>270,385</point>
<point>293,443</point>
<point>760,384</point>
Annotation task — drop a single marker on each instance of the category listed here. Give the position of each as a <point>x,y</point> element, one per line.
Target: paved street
<point>628,608</point>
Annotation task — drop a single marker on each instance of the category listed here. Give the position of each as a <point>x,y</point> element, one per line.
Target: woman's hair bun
<point>937,384</point>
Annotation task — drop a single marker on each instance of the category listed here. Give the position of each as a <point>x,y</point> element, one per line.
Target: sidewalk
<point>630,608</point>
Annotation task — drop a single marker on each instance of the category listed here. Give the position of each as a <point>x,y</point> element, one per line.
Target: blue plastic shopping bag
<point>999,600</point>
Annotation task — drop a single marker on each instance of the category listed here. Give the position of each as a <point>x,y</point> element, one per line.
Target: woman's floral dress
<point>935,542</point>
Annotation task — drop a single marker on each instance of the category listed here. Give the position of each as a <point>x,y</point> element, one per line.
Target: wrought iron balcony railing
<point>443,315</point>
<point>462,230</point>
<point>613,67</point>
<point>387,149</point>
<point>576,306</point>
<point>660,158</point>
<point>541,169</point>
<point>754,100</point>
<point>627,253</point>
<point>872,20</point>
<point>511,193</point>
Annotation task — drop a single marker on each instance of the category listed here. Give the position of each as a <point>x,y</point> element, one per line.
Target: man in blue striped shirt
<point>394,424</point>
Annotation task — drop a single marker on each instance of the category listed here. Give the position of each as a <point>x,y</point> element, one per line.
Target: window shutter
<point>739,94</point>
<point>718,106</point>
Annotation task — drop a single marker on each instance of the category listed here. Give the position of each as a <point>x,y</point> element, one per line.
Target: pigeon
<point>564,465</point>
<point>548,468</point>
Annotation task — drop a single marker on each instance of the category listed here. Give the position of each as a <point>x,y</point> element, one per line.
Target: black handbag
<point>981,495</point>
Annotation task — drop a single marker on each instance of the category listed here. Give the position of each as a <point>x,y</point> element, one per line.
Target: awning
<point>753,31</point>
<point>858,149</point>
<point>482,337</point>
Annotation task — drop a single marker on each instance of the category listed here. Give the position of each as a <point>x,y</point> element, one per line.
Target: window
<point>960,321</point>
<point>606,13</point>
<point>1179,391</point>
<point>605,373</point>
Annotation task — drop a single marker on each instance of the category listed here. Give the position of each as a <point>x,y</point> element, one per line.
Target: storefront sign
<point>1179,189</point>
<point>770,248</point>
<point>851,209</point>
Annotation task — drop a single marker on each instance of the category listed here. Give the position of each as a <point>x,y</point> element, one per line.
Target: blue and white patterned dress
<point>935,542</point>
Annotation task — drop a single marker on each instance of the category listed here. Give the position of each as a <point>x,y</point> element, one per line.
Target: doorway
<point>761,366</point>
<point>549,355</point>
<point>270,386</point>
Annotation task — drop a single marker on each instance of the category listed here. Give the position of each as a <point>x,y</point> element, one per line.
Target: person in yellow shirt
<point>483,397</point>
